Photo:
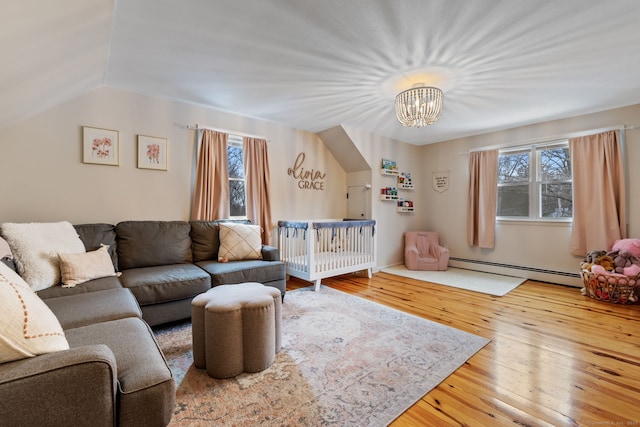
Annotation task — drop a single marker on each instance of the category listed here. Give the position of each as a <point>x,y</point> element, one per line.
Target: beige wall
<point>530,244</point>
<point>44,178</point>
<point>391,224</point>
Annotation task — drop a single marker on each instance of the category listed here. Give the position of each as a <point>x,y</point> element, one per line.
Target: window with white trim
<point>535,182</point>
<point>235,164</point>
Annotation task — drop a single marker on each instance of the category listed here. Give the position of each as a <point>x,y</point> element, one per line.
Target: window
<point>535,182</point>
<point>237,194</point>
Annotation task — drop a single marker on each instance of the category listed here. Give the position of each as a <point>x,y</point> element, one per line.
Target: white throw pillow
<point>36,246</point>
<point>239,242</point>
<point>27,326</point>
<point>79,268</point>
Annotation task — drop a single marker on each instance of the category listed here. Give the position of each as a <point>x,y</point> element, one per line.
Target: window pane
<point>513,167</point>
<point>234,156</point>
<point>236,198</point>
<point>557,201</point>
<point>555,164</point>
<point>513,200</point>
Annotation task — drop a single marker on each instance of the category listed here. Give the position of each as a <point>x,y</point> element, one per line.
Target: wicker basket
<point>615,288</point>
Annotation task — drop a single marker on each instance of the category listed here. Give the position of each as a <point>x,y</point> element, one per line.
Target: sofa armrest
<point>411,257</point>
<point>270,253</point>
<point>73,387</point>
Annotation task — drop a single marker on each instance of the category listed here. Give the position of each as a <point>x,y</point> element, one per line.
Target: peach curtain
<point>599,196</point>
<point>256,172</point>
<point>211,190</point>
<point>481,205</point>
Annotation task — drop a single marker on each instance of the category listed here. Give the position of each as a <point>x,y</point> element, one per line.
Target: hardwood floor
<point>555,358</point>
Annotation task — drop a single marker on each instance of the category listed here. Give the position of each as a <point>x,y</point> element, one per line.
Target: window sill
<point>565,222</point>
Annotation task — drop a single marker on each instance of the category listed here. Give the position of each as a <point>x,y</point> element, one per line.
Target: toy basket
<point>615,288</point>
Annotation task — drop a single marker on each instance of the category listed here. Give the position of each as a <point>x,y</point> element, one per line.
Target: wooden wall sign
<point>307,179</point>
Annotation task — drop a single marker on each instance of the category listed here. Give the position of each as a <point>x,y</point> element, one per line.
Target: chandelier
<point>419,106</point>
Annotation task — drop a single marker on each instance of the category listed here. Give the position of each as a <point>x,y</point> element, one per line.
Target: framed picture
<point>152,152</point>
<point>100,146</point>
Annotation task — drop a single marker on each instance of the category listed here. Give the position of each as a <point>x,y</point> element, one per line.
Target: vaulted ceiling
<point>314,65</point>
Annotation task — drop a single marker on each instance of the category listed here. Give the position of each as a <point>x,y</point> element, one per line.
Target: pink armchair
<point>422,251</point>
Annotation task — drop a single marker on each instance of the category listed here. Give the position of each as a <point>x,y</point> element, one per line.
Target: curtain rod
<point>232,132</point>
<point>551,138</point>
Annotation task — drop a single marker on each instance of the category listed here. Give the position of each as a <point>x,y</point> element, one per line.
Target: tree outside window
<point>237,194</point>
<point>546,193</point>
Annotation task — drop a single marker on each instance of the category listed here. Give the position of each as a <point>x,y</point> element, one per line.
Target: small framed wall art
<point>100,146</point>
<point>152,152</point>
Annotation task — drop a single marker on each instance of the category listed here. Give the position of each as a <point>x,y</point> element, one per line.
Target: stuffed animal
<point>631,271</point>
<point>629,245</point>
<point>586,265</point>
<point>592,255</point>
<point>605,261</point>
<point>623,260</point>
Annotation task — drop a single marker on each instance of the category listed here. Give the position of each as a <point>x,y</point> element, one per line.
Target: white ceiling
<point>316,64</point>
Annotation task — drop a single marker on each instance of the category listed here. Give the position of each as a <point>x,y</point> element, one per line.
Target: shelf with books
<point>389,167</point>
<point>405,182</point>
<point>389,193</point>
<point>405,205</point>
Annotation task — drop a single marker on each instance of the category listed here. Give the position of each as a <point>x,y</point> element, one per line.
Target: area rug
<point>477,281</point>
<point>345,361</point>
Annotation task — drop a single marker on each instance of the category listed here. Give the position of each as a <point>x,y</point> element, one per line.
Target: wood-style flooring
<point>556,358</point>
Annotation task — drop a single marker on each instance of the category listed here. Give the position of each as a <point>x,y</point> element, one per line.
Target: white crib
<point>313,251</point>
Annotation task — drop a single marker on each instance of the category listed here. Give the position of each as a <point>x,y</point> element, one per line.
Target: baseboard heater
<point>517,267</point>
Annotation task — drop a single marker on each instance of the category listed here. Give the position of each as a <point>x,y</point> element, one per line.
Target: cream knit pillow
<point>36,246</point>
<point>79,268</point>
<point>27,326</point>
<point>239,242</point>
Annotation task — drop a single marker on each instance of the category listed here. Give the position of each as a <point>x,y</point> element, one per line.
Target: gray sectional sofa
<point>114,372</point>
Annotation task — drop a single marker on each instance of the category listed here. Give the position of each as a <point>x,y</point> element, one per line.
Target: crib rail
<point>316,250</point>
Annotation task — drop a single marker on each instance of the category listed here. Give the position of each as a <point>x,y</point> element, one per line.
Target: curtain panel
<point>257,178</point>
<point>481,205</point>
<point>211,189</point>
<point>599,195</point>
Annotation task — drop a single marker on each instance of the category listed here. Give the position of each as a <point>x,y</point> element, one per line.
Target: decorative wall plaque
<point>441,181</point>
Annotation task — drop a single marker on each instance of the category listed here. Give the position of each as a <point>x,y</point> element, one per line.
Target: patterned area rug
<point>345,361</point>
<point>477,281</point>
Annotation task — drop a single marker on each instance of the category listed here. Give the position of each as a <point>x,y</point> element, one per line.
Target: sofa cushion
<point>79,268</point>
<point>87,287</point>
<point>205,237</point>
<point>27,326</point>
<point>205,241</point>
<point>239,242</point>
<point>152,243</point>
<point>35,248</point>
<point>145,383</point>
<point>95,235</point>
<point>153,285</point>
<point>225,273</point>
<point>85,309</point>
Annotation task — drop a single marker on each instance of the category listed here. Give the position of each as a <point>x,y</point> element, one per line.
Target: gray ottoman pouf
<point>236,328</point>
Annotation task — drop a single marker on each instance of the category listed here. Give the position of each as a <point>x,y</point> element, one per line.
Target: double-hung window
<point>535,182</point>
<point>235,163</point>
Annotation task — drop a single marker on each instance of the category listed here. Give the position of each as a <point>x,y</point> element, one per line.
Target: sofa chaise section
<point>73,387</point>
<point>145,385</point>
